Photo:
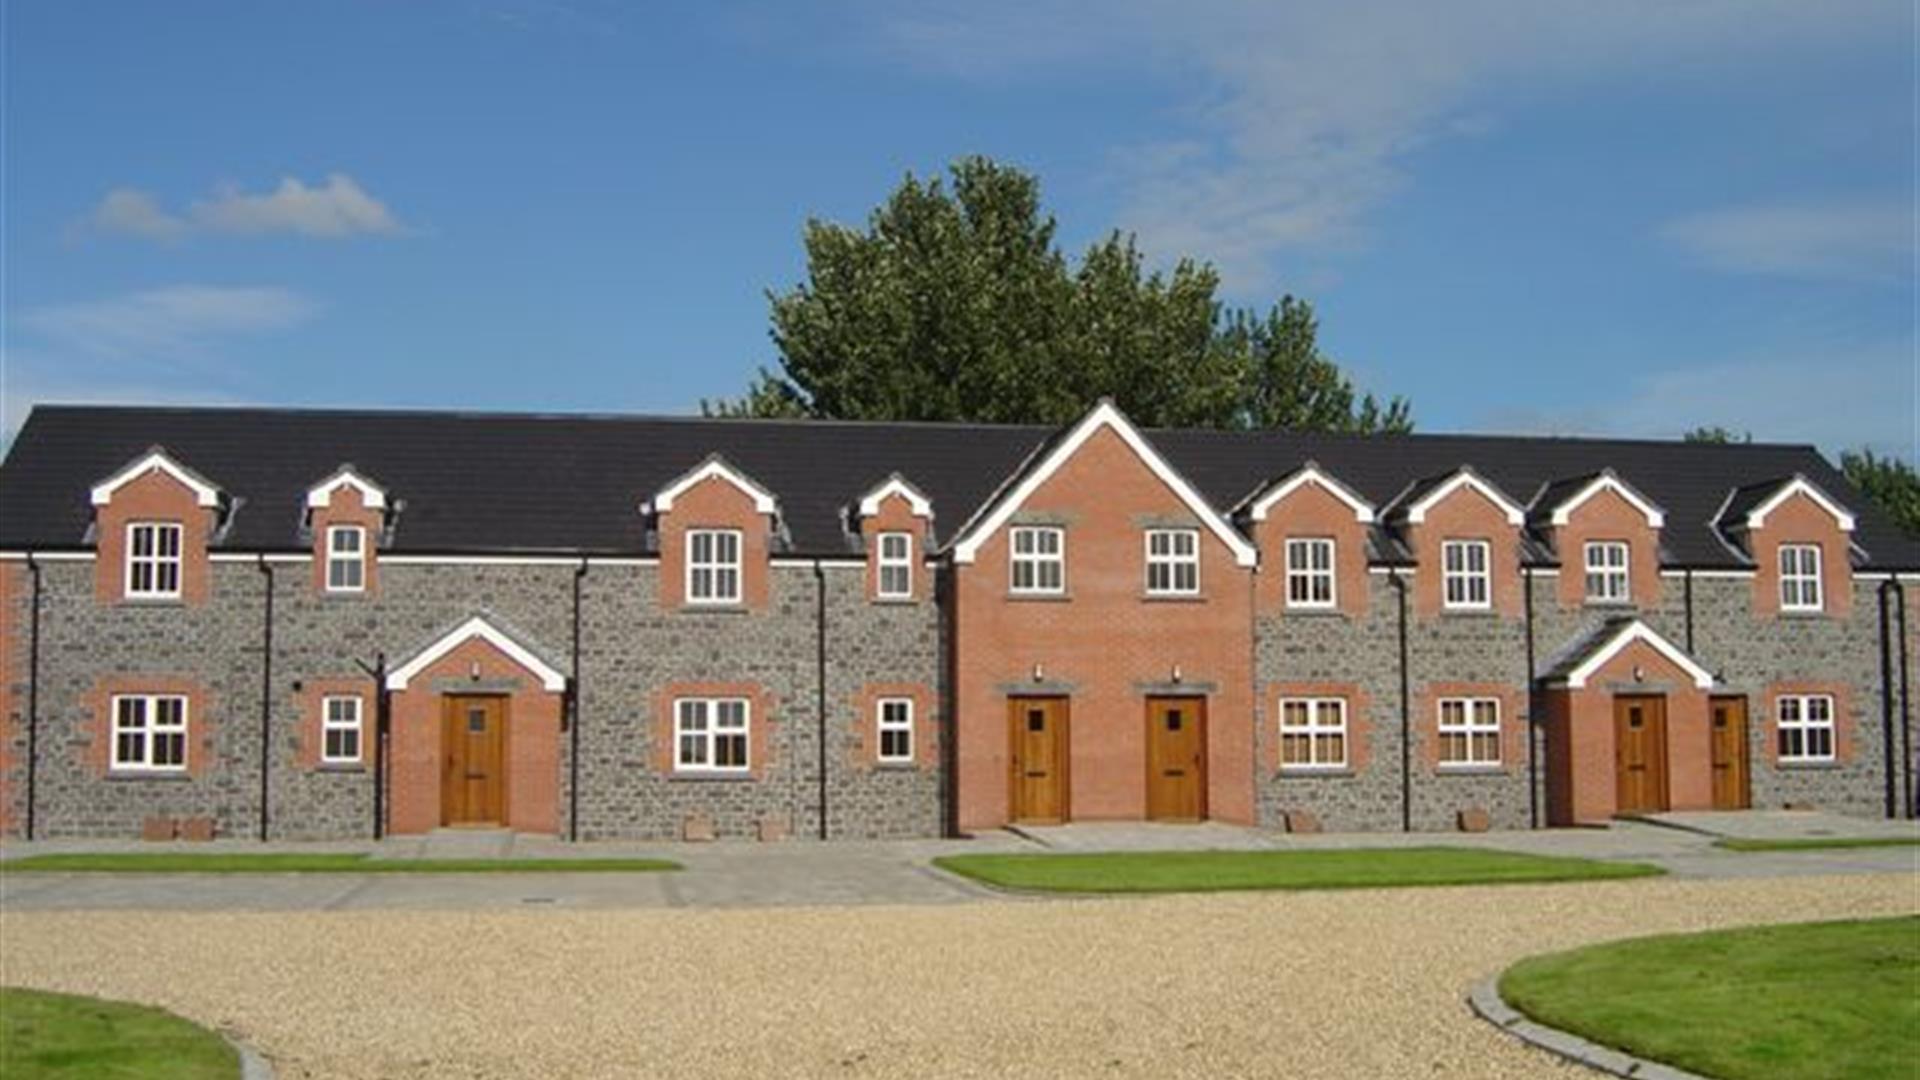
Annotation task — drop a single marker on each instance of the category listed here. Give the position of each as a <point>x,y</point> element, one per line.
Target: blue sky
<point>1615,218</point>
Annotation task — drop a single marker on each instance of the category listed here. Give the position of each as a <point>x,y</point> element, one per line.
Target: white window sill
<point>1807,763</point>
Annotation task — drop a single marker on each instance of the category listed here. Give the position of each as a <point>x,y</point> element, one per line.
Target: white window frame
<point>1465,575</point>
<point>713,569</point>
<point>708,734</point>
<point>1172,560</point>
<point>900,562</point>
<point>344,724</point>
<point>899,723</point>
<point>1317,730</point>
<point>149,730</point>
<point>1037,560</point>
<point>1801,588</point>
<point>154,561</point>
<point>1473,726</point>
<point>1614,578</point>
<point>355,560</point>
<point>1301,571</point>
<point>1795,721</point>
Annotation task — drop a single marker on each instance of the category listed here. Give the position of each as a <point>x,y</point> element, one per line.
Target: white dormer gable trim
<point>1467,478</point>
<point>157,460</point>
<point>714,466</point>
<point>1607,481</point>
<point>1799,485</point>
<point>1103,416</point>
<point>1632,632</point>
<point>477,627</point>
<point>894,485</point>
<point>320,496</point>
<point>1310,473</point>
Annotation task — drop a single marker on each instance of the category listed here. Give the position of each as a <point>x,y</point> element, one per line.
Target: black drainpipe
<point>266,696</point>
<point>1886,699</point>
<point>573,713</point>
<point>1906,717</point>
<point>33,696</point>
<point>1533,725</point>
<point>1686,578</point>
<point>382,707</point>
<point>1406,713</point>
<point>820,681</point>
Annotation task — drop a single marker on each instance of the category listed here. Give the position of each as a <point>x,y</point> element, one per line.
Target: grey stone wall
<point>870,644</point>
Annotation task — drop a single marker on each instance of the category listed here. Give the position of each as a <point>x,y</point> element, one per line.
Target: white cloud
<point>337,207</point>
<point>1854,241</point>
<point>172,323</point>
<point>1306,113</point>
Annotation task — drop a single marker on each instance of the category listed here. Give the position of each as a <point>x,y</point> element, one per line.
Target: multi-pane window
<point>713,566</point>
<point>153,559</point>
<point>340,729</point>
<point>1607,581</point>
<point>150,732</point>
<point>346,558</point>
<point>1039,560</point>
<point>1800,577</point>
<point>1173,562</point>
<point>1464,573</point>
<point>710,734</point>
<point>1313,733</point>
<point>1310,573</point>
<point>896,565</point>
<point>1469,731</point>
<point>896,729</point>
<point>1805,723</point>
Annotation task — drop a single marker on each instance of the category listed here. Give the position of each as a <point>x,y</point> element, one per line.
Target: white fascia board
<point>1515,514</point>
<point>896,484</point>
<point>1606,481</point>
<point>204,493</point>
<point>320,496</point>
<point>1632,632</point>
<point>1311,474</point>
<point>715,466</point>
<point>477,627</point>
<point>1104,415</point>
<point>1799,485</point>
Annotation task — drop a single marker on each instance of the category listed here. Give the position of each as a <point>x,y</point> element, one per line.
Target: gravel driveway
<point>1351,984</point>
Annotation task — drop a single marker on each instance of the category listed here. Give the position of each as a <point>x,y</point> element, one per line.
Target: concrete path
<point>1784,825</point>
<point>802,873</point>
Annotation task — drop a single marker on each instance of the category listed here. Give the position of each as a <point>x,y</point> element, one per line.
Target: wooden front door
<point>1640,754</point>
<point>473,778</point>
<point>1037,735</point>
<point>1176,759</point>
<point>1730,753</point>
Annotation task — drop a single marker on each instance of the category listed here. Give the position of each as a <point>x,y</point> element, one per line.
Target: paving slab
<point>1783,825</point>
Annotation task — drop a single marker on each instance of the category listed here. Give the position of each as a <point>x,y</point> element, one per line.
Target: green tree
<point>1717,434</point>
<point>1889,482</point>
<point>957,304</point>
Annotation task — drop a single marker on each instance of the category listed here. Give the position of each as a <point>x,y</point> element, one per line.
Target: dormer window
<point>346,559</point>
<point>1800,577</point>
<point>713,566</point>
<point>1607,578</point>
<point>896,566</point>
<point>1467,581</point>
<point>153,560</point>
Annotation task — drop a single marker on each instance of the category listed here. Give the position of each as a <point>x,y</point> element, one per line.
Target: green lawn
<point>282,863</point>
<point>59,1035</point>
<point>1816,1001</point>
<point>1818,843</point>
<point>1207,871</point>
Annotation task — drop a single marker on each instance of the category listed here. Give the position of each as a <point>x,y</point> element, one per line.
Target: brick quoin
<point>203,724</point>
<point>310,701</point>
<point>1105,640</point>
<point>1800,520</point>
<point>13,663</point>
<point>152,496</point>
<point>1608,516</point>
<point>1359,721</point>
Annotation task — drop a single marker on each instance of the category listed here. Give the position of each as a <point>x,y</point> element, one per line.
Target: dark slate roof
<point>1581,649</point>
<point>480,482</point>
<point>1734,516</point>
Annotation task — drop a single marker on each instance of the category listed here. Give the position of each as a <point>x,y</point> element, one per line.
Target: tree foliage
<point>1716,434</point>
<point>958,304</point>
<point>1889,482</point>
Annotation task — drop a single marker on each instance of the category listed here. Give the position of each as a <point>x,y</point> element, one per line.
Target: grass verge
<point>145,862</point>
<point>1818,843</point>
<point>46,1035</point>
<point>1815,1001</point>
<point>1208,871</point>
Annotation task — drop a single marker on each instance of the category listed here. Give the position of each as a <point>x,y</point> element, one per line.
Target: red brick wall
<point>714,503</point>
<point>762,716</point>
<point>1466,514</point>
<point>896,515</point>
<point>1608,516</point>
<point>1311,511</point>
<point>1843,724</point>
<point>1580,755</point>
<point>1105,639</point>
<point>152,496</point>
<point>1513,721</point>
<point>533,742</point>
<point>864,748</point>
<point>310,701</point>
<point>1359,720</point>
<point>346,507</point>
<point>1800,520</point>
<point>201,721</point>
